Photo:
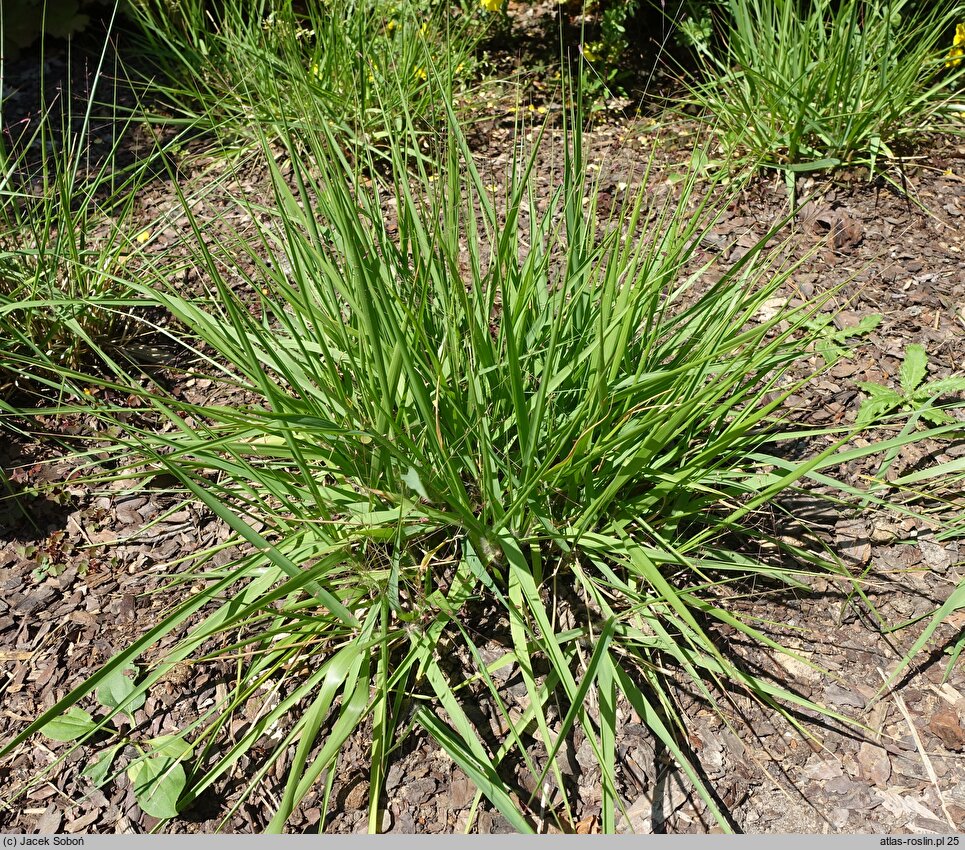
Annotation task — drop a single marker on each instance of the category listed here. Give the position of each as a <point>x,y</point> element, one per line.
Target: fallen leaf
<point>947,727</point>
<point>588,826</point>
<point>798,669</point>
<point>853,541</point>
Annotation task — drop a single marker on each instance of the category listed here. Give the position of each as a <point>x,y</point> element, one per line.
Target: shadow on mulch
<point>82,94</point>
<point>533,38</point>
<point>25,515</point>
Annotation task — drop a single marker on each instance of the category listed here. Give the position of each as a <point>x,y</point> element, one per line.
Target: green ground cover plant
<point>835,342</point>
<point>914,395</point>
<point>156,773</point>
<point>810,87</point>
<point>459,406</point>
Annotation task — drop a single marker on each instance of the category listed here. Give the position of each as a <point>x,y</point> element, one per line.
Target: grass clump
<point>451,422</point>
<point>63,299</point>
<point>811,86</point>
<point>244,64</point>
<point>460,410</point>
<point>64,240</point>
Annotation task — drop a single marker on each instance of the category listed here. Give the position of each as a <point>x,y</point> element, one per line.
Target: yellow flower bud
<point>958,47</point>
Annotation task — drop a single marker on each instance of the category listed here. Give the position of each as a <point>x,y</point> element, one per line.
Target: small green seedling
<point>914,396</point>
<point>833,344</point>
<point>157,772</point>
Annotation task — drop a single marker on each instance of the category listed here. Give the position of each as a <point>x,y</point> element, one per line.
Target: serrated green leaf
<point>830,351</point>
<point>881,400</point>
<point>879,392</point>
<point>819,323</point>
<point>943,386</point>
<point>71,725</point>
<point>913,368</point>
<point>117,690</point>
<point>866,325</point>
<point>936,417</point>
<point>872,408</point>
<point>100,767</point>
<point>158,783</point>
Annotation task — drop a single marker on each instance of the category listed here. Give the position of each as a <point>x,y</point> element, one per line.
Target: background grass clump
<point>810,87</point>
<point>65,236</point>
<point>230,67</point>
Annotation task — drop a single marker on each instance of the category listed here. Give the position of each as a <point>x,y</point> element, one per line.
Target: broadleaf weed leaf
<point>913,368</point>
<point>172,746</point>
<point>914,395</point>
<point>71,725</point>
<point>865,326</point>
<point>99,768</point>
<point>158,782</point>
<point>835,345</point>
<point>881,393</point>
<point>117,690</point>
<point>936,417</point>
<point>943,386</point>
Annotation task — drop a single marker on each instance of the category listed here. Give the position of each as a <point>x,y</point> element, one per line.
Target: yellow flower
<point>958,47</point>
<point>316,72</point>
<point>492,5</point>
<point>143,236</point>
<point>390,27</point>
<point>420,74</point>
